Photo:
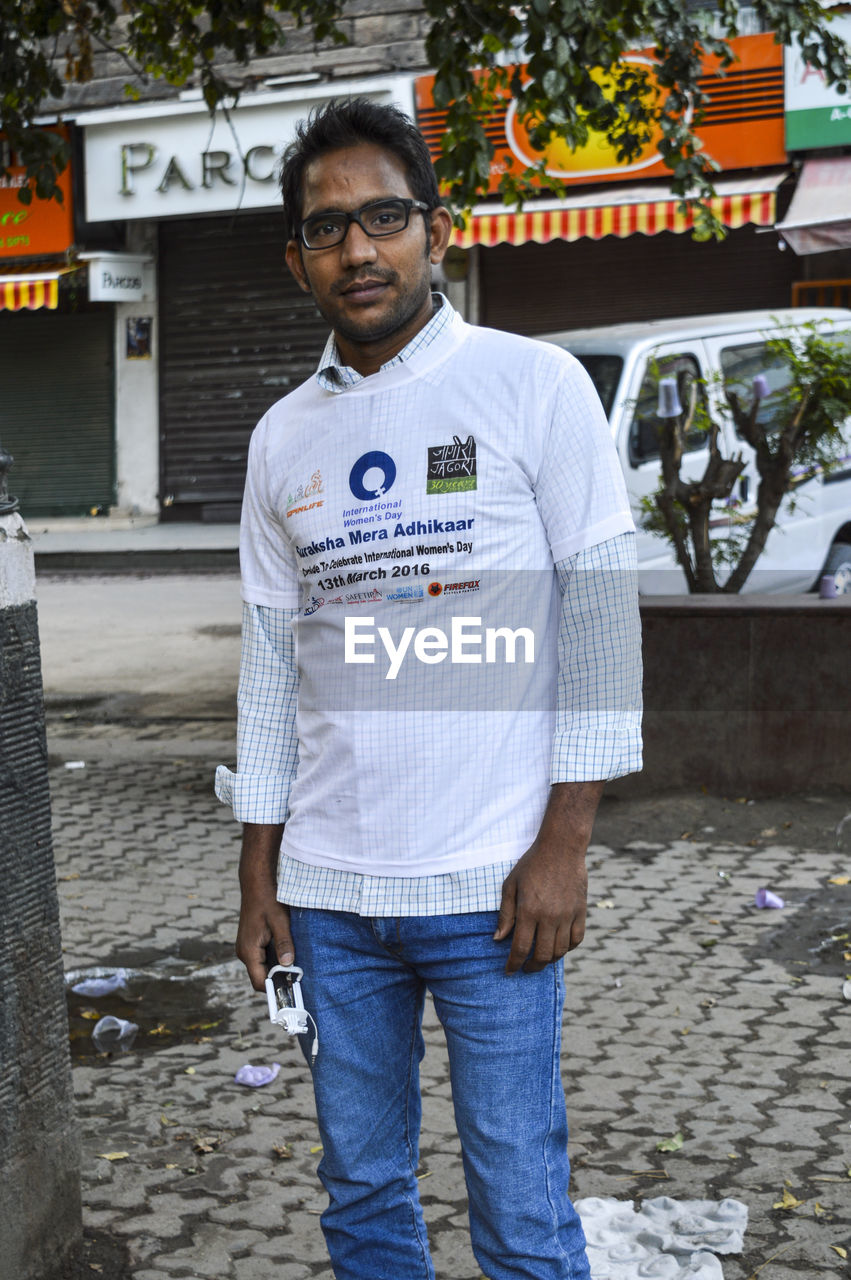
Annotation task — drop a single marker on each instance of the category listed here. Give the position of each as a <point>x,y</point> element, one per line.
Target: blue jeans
<point>365,982</point>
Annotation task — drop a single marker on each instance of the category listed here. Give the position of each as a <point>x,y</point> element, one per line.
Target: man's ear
<point>441,231</point>
<point>296,265</point>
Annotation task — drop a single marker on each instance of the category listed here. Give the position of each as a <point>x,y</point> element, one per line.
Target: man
<point>418,789</point>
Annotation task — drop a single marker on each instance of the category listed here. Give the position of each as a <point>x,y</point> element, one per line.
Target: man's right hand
<point>262,922</point>
<point>262,919</point>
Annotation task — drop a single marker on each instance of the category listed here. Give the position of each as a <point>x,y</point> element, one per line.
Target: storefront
<point>617,247</point>
<point>57,363</point>
<point>817,225</point>
<point>228,331</point>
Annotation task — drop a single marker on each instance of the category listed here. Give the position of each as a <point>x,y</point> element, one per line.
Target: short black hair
<point>347,122</point>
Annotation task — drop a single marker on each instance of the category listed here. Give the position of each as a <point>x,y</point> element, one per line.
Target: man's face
<point>370,290</point>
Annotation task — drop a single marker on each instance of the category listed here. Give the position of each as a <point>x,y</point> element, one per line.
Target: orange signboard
<point>742,125</point>
<point>38,229</point>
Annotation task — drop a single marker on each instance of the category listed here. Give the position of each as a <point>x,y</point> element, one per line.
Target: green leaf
<point>554,83</point>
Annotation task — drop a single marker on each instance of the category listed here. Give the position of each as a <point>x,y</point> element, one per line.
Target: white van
<point>813,531</point>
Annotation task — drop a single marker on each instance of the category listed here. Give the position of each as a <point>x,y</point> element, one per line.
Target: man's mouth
<point>364,290</point>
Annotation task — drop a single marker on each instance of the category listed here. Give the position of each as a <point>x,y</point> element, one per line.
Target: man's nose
<point>358,247</point>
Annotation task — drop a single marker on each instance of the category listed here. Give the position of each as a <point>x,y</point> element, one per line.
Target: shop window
<point>821,293</point>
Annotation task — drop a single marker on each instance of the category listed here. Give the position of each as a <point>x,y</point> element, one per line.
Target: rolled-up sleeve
<point>598,711</point>
<point>267,743</point>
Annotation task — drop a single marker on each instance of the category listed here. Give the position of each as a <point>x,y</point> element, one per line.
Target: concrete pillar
<point>137,425</point>
<point>40,1213</point>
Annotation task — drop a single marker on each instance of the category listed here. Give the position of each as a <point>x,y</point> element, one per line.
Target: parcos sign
<point>173,159</point>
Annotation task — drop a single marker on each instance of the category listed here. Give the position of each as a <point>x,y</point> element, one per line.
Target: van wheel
<point>839,564</point>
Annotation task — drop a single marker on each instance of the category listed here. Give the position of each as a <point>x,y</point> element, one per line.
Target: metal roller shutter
<point>236,334</point>
<point>57,419</point>
<point>535,288</point>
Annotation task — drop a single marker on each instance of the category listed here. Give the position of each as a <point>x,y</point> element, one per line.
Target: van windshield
<point>605,371</point>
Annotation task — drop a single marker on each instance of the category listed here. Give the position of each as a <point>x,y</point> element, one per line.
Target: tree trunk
<point>769,497</point>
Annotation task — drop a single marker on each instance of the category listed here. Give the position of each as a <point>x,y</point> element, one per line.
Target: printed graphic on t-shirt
<point>304,498</point>
<point>372,475</point>
<point>452,467</point>
<point>454,588</point>
<point>387,552</point>
<point>375,545</point>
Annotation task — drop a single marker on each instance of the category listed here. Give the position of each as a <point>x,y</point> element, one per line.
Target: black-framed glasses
<point>380,218</point>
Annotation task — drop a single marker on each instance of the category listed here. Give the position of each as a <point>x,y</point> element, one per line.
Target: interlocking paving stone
<point>720,1043</point>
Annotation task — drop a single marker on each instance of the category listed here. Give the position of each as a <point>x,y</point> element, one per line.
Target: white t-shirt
<point>414,519</point>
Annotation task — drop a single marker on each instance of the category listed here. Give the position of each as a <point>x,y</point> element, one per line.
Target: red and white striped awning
<point>625,212</point>
<point>29,292</point>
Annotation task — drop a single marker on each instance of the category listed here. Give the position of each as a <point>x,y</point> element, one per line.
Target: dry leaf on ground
<point>787,1201</point>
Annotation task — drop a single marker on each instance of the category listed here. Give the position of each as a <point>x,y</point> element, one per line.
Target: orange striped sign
<point>649,218</point>
<point>29,295</point>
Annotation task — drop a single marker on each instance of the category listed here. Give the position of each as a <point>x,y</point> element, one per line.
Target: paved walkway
<point>689,1011</point>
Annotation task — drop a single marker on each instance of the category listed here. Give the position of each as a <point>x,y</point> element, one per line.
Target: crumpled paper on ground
<point>664,1239</point>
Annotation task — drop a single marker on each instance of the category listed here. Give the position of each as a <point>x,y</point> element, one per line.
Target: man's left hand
<point>544,897</point>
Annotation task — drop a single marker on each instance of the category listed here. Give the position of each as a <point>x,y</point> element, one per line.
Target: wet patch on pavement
<point>813,934</point>
<point>174,999</point>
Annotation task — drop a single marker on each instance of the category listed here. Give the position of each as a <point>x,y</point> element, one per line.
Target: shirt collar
<point>333,375</point>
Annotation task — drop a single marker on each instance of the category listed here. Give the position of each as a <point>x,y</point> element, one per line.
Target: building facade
<point>170,321</point>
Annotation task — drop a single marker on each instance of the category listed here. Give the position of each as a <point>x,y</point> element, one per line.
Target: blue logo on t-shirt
<point>372,475</point>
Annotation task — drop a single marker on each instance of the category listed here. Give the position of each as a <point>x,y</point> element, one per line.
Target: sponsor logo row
<point>408,591</point>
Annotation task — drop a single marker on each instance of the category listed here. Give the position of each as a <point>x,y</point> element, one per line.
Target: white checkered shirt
<point>598,713</point>
<point>598,717</point>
